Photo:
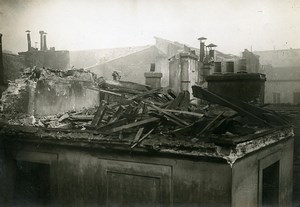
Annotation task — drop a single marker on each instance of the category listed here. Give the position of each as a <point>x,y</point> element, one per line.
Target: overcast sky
<point>86,24</point>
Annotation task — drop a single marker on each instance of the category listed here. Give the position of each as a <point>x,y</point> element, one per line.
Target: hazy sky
<point>86,24</point>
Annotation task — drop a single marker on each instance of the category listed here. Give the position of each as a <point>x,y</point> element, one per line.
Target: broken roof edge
<point>89,139</point>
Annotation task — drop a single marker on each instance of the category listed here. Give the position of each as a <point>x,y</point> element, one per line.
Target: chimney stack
<point>45,43</point>
<point>41,40</point>
<point>1,63</point>
<point>202,45</point>
<point>28,40</point>
<point>153,78</point>
<point>242,66</point>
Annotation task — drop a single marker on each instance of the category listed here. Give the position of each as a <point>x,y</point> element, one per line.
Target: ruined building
<point>70,138</point>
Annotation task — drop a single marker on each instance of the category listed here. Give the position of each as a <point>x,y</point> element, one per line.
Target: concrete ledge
<point>153,75</point>
<point>236,76</point>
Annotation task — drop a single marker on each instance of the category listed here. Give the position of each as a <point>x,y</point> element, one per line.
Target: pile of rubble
<point>129,110</point>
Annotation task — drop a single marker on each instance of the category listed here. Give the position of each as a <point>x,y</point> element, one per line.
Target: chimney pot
<point>28,40</point>
<point>41,40</point>
<point>45,42</point>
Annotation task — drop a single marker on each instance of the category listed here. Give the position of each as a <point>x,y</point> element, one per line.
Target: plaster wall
<point>100,178</point>
<point>247,175</point>
<point>286,89</point>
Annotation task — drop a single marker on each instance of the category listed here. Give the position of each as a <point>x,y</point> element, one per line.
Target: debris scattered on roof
<point>135,111</point>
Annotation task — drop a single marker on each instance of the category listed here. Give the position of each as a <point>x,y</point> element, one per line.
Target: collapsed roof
<point>139,117</point>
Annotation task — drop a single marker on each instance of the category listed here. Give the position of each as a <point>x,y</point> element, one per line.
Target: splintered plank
<point>236,105</point>
<point>145,94</point>
<point>105,91</point>
<point>184,112</point>
<point>210,124</point>
<point>190,128</point>
<point>138,134</point>
<point>184,105</point>
<point>171,93</point>
<point>134,124</point>
<point>109,126</point>
<point>143,138</point>
<point>99,114</point>
<point>177,101</point>
<point>81,117</point>
<point>117,115</point>
<point>170,116</point>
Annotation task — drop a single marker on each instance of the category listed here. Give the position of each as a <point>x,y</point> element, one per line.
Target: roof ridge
<point>97,64</point>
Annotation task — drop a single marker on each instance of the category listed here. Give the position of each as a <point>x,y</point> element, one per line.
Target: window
<point>297,98</point>
<point>276,98</point>
<point>32,184</point>
<point>270,185</point>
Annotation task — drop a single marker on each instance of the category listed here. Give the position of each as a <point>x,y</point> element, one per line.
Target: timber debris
<point>134,111</point>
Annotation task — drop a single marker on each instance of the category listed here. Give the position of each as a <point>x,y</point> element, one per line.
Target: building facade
<point>282,69</point>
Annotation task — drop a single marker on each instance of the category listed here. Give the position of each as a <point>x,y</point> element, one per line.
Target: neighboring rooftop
<point>87,58</point>
<point>281,73</point>
<point>279,58</point>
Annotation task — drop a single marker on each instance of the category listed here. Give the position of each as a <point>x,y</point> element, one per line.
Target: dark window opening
<point>276,98</point>
<point>297,98</point>
<point>32,184</point>
<point>270,185</point>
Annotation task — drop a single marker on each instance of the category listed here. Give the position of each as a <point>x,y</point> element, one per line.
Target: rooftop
<point>138,118</point>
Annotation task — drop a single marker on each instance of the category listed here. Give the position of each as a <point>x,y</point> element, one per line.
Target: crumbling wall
<point>56,96</point>
<point>42,91</point>
<point>16,98</point>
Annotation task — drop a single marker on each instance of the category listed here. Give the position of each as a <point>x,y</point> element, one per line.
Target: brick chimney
<point>243,86</point>
<point>153,78</point>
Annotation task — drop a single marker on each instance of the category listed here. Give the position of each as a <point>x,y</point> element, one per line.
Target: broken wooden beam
<point>117,115</point>
<point>177,101</point>
<point>105,91</point>
<point>145,94</point>
<point>210,124</point>
<point>138,134</point>
<point>169,115</point>
<point>112,125</point>
<point>81,117</point>
<point>143,138</point>
<point>99,114</point>
<point>214,98</point>
<point>135,124</point>
<point>184,112</point>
